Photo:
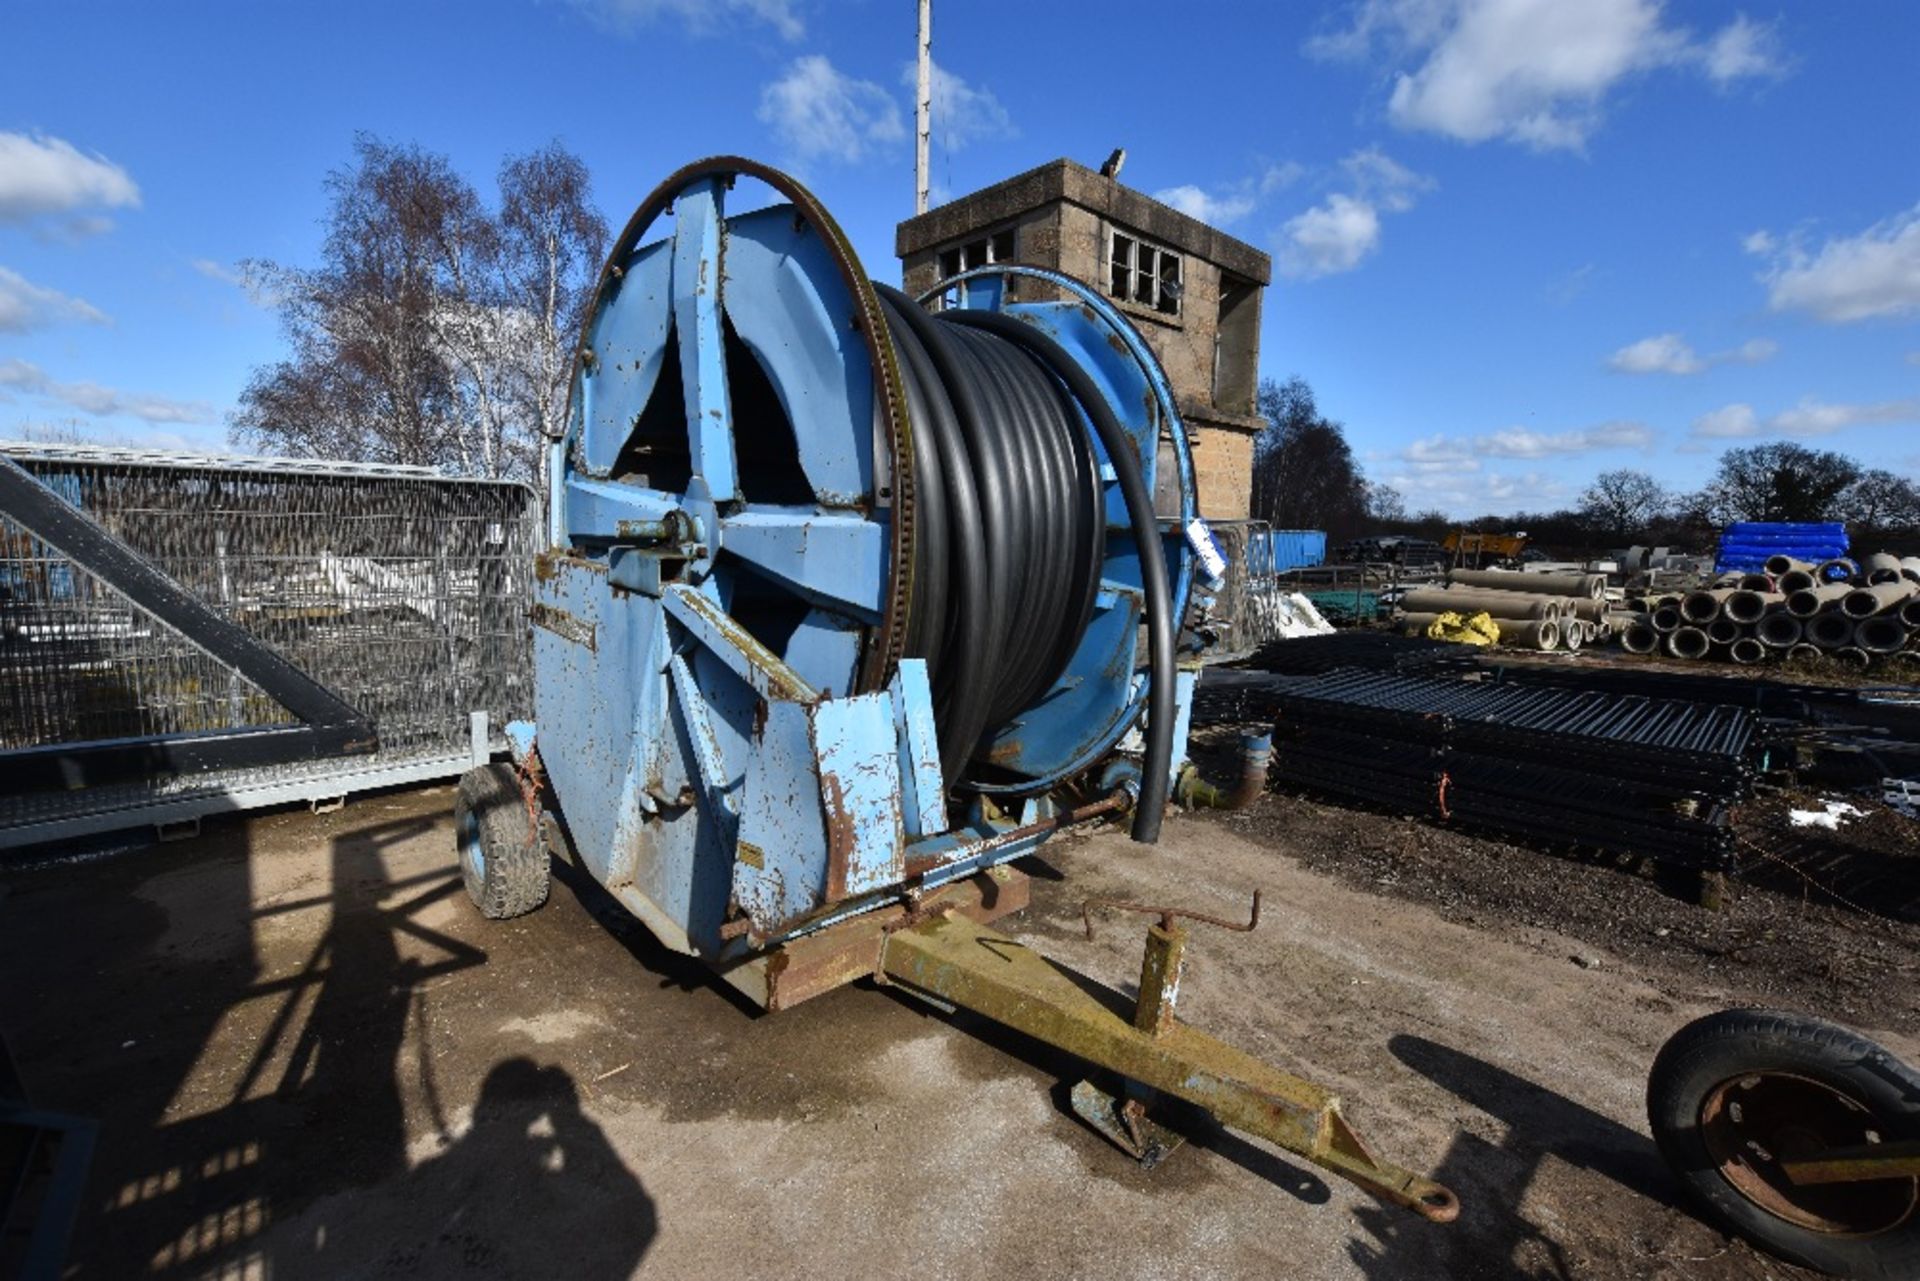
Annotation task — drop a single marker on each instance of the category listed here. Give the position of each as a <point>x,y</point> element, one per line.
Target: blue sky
<point>1517,241</point>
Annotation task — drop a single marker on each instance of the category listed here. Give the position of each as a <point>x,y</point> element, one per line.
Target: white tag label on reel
<point>1212,559</point>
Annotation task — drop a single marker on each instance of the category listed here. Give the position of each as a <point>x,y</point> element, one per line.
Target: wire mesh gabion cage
<point>404,591</point>
<point>1248,607</point>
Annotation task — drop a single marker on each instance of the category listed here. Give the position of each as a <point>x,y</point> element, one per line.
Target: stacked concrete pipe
<point>1687,642</point>
<point>1524,633</point>
<point>1439,600</point>
<point>1882,568</point>
<point>1639,638</point>
<point>1533,611</point>
<point>1778,630</point>
<point>1593,586</point>
<point>1854,613</point>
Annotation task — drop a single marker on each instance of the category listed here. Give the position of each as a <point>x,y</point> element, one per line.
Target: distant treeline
<point>1306,477</point>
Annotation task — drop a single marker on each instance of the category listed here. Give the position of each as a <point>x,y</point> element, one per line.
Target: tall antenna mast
<point>923,109</point>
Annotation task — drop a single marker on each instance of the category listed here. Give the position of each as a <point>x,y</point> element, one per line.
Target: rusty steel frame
<point>817,963</point>
<point>962,963</point>
<point>1862,1164</point>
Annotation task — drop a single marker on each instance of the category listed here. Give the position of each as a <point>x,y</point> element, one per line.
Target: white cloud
<point>961,112</point>
<point>1759,242</point>
<point>1566,288</point>
<point>701,17</point>
<point>1520,442</point>
<point>819,113</point>
<point>101,402</point>
<point>1812,418</point>
<point>1340,232</point>
<point>1741,48</point>
<point>1477,493</point>
<point>1196,203</point>
<point>1808,418</point>
<point>1333,236</point>
<point>1444,454</point>
<point>1727,422</point>
<point>1660,354</point>
<point>1384,181</point>
<point>263,286</point>
<point>220,271</point>
<point>1876,273</point>
<point>42,177</point>
<point>1230,203</point>
<point>1671,354</point>
<point>1280,176</point>
<point>1536,72</point>
<point>25,306</point>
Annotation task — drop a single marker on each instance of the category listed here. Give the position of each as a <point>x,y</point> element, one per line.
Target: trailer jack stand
<point>959,962</point>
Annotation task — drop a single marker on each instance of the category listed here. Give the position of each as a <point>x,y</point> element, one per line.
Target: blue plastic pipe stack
<point>1745,545</point>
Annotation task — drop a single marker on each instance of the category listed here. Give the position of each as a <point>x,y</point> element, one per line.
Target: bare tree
<point>1779,481</point>
<point>1304,474</point>
<point>1622,503</point>
<point>1385,504</point>
<point>1880,505</point>
<point>552,241</point>
<point>433,331</point>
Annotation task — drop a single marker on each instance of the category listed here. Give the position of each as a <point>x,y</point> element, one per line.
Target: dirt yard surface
<point>312,1058</point>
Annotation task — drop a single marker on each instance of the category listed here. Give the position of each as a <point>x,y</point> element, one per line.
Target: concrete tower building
<point>1191,289</point>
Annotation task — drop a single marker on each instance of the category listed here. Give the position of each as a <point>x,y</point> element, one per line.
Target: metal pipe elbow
<point>1256,753</point>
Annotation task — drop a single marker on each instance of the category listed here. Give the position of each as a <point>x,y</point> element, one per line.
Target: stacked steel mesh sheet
<point>1227,696</point>
<point>404,591</point>
<point>1250,692</point>
<point>1569,768</point>
<point>1377,651</point>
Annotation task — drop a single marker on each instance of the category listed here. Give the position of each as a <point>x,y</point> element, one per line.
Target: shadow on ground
<point>248,1112</point>
<point>1493,1237</point>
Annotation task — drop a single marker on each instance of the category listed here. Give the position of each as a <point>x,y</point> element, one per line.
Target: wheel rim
<point>1752,1123</point>
<point>472,849</point>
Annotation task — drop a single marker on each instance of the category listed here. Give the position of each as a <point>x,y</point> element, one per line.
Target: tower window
<point>1144,274</point>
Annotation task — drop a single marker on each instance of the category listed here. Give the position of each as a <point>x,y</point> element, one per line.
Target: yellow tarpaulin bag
<point>1476,629</point>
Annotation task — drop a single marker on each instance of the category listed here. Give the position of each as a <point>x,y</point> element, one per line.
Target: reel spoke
<point>837,560</point>
<point>697,268</point>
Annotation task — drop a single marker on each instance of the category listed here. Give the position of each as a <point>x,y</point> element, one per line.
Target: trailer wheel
<point>502,858</point>
<point>1733,1094</point>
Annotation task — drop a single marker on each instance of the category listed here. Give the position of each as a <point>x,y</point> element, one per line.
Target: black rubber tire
<point>1717,1049</point>
<point>502,858</point>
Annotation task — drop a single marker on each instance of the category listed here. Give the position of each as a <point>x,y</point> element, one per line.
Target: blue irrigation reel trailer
<point>851,600</point>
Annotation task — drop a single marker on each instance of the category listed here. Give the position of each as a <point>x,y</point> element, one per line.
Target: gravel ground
<point>311,1058</point>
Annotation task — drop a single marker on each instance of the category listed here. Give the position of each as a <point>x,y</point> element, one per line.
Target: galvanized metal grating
<point>404,591</point>
<point>1699,730</point>
<point>1627,774</point>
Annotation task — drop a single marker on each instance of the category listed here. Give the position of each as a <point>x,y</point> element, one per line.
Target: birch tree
<point>434,330</point>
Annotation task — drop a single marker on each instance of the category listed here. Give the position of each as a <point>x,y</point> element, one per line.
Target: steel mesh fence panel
<point>1247,607</point>
<point>403,591</point>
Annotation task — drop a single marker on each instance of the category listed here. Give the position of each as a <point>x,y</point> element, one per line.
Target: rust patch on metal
<point>840,835</point>
<point>1168,915</point>
<point>818,963</point>
<point>547,564</point>
<point>563,625</point>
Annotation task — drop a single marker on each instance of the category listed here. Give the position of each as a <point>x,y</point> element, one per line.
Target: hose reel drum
<point>850,600</point>
<point>842,589</point>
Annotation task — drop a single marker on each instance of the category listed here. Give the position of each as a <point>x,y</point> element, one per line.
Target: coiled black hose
<point>1011,528</point>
